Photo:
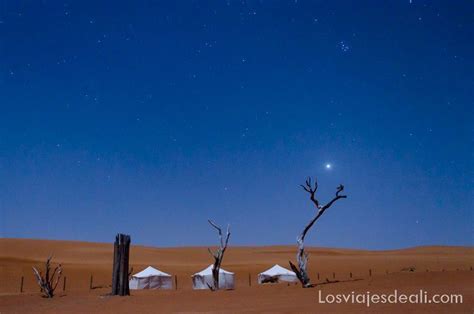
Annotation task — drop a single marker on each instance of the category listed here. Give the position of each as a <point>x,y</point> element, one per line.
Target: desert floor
<point>438,270</point>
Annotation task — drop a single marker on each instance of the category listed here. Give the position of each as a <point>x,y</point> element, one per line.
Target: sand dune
<point>438,269</point>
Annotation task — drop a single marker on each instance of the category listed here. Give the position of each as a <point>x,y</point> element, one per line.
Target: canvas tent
<point>277,274</point>
<point>204,277</point>
<point>151,278</point>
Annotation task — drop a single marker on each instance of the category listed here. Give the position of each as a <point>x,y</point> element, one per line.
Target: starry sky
<point>149,117</point>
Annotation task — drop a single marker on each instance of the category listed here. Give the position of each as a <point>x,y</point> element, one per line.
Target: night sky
<point>149,117</point>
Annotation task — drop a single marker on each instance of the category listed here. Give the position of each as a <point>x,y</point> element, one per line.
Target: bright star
<point>328,166</point>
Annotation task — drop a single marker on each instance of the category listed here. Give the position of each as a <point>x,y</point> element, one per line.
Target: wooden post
<point>370,272</point>
<point>318,276</point>
<point>120,271</point>
<point>64,283</point>
<point>126,261</point>
<point>175,282</point>
<point>90,282</point>
<point>115,267</point>
<point>121,285</point>
<point>350,274</point>
<point>250,280</point>
<point>21,284</point>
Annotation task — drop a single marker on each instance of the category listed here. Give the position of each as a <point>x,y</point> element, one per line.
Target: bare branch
<point>58,277</point>
<point>37,276</point>
<point>340,188</point>
<point>218,230</point>
<point>308,187</point>
<point>215,226</point>
<point>227,236</point>
<point>54,271</point>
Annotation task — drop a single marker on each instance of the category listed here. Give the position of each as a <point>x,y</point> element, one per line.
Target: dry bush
<point>49,281</point>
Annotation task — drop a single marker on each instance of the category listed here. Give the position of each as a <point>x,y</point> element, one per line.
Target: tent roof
<point>208,271</point>
<point>278,270</point>
<point>149,272</point>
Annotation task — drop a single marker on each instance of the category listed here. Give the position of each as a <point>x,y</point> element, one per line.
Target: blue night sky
<point>149,117</point>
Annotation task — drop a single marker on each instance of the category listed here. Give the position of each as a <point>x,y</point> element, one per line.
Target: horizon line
<point>248,246</point>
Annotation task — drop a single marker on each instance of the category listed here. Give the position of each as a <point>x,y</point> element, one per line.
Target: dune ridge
<point>440,268</point>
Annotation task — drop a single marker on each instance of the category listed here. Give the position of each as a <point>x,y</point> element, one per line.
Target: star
<point>328,166</point>
<point>344,46</point>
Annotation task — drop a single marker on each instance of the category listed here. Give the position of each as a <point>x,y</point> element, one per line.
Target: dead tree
<point>218,255</point>
<point>302,256</point>
<point>49,281</point>
<point>120,271</point>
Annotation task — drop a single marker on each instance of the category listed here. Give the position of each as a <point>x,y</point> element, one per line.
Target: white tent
<point>151,278</point>
<point>204,277</point>
<point>277,274</point>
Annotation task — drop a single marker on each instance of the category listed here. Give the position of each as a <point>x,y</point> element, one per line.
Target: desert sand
<point>437,269</point>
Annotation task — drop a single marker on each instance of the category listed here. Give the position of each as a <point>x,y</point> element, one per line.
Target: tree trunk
<point>302,257</point>
<point>218,255</point>
<point>120,266</point>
